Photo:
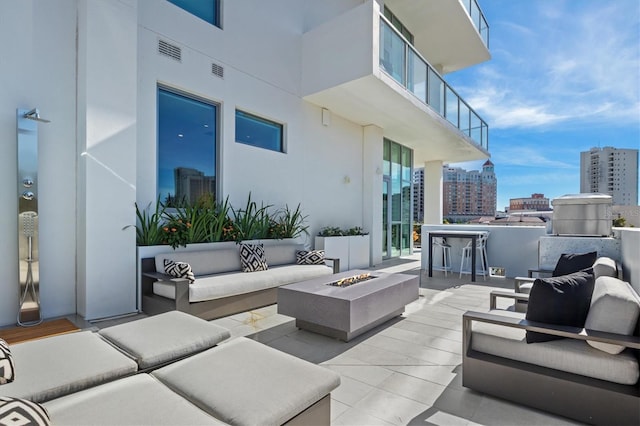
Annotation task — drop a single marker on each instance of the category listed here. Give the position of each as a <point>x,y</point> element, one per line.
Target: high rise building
<point>537,202</point>
<point>612,171</point>
<point>191,184</point>
<point>418,195</point>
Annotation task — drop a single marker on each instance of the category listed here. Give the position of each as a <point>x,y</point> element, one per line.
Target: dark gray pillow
<point>561,300</point>
<point>570,263</point>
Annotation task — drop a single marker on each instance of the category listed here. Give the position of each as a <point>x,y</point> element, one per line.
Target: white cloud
<point>525,156</point>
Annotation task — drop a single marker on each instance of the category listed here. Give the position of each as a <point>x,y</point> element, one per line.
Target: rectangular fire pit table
<point>346,312</point>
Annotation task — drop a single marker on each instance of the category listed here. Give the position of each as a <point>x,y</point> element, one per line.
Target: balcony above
<point>451,34</point>
<point>359,67</point>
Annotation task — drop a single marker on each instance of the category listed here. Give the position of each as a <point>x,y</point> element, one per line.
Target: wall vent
<point>170,50</point>
<point>217,70</point>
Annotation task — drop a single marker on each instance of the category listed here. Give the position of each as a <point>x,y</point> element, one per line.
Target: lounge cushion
<point>605,267</point>
<point>7,369</point>
<point>234,283</point>
<point>570,355</point>
<point>570,263</point>
<point>252,258</point>
<point>615,308</point>
<point>313,257</point>
<point>244,382</point>
<point>563,300</point>
<point>18,412</point>
<point>205,262</point>
<point>59,365</point>
<point>159,339</point>
<point>280,254</point>
<point>136,400</point>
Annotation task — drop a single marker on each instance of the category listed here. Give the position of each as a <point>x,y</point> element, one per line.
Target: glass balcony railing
<point>478,19</point>
<point>405,65</point>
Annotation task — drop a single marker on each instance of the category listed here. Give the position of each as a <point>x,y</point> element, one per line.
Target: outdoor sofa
<point>163,370</point>
<point>589,373</point>
<point>220,286</point>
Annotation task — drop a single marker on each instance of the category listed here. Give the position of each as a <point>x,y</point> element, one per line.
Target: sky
<point>564,77</point>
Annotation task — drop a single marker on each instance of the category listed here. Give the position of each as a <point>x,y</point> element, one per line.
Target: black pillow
<point>561,300</point>
<point>570,263</point>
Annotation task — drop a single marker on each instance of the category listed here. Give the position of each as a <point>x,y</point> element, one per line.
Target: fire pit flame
<point>346,282</point>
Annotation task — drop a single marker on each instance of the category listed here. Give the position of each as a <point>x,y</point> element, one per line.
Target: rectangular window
<point>187,146</point>
<point>207,10</point>
<point>259,132</point>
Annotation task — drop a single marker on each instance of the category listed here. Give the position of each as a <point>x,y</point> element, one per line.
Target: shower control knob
<point>27,182</point>
<point>28,195</point>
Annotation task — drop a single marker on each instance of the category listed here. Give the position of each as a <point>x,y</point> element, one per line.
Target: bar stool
<point>481,247</point>
<point>441,243</point>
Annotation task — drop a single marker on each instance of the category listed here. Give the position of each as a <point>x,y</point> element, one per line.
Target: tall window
<point>187,139</point>
<point>260,132</point>
<point>207,10</point>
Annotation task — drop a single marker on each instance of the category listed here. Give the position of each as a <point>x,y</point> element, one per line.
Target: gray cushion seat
<point>164,338</point>
<point>233,283</point>
<point>55,366</point>
<point>570,355</point>
<point>243,382</point>
<point>135,400</point>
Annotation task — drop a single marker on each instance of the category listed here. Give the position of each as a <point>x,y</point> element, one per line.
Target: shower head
<point>34,114</point>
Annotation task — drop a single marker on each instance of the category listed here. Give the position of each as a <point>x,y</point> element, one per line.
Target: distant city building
<point>469,193</point>
<point>611,171</point>
<point>418,195</point>
<point>192,184</point>
<point>537,202</point>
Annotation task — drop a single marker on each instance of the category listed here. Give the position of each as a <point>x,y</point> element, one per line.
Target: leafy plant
<point>289,223</point>
<point>356,230</point>
<point>149,227</point>
<point>252,222</point>
<point>334,231</point>
<point>176,232</point>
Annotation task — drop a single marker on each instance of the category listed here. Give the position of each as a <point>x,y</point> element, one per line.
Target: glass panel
<point>206,10</point>
<point>464,118</point>
<point>395,240</point>
<point>417,78</point>
<point>186,148</point>
<point>406,164</point>
<point>406,202</point>
<point>406,238</point>
<point>395,162</point>
<point>452,107</point>
<point>396,201</point>
<point>386,157</point>
<point>476,128</point>
<point>436,92</point>
<point>392,53</point>
<point>259,132</point>
<point>385,217</point>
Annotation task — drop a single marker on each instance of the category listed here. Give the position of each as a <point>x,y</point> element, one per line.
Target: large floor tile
<point>391,407</point>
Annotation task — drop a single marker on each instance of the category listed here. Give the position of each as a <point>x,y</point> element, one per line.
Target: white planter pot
<point>352,250</point>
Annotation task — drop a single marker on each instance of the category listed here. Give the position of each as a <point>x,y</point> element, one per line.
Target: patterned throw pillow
<point>313,257</point>
<point>16,411</point>
<point>7,369</point>
<point>179,270</point>
<point>252,258</point>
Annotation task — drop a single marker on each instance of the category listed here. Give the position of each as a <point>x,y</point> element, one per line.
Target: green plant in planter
<point>331,231</point>
<point>356,230</point>
<point>149,227</point>
<point>176,232</point>
<point>252,222</point>
<point>288,223</point>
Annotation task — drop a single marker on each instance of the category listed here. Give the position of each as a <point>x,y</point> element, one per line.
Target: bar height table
<point>472,235</point>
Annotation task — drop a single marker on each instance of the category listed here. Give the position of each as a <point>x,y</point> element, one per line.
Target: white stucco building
<point>612,171</point>
<point>324,103</point>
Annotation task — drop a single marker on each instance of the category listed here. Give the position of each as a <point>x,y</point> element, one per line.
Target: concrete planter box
<point>352,250</point>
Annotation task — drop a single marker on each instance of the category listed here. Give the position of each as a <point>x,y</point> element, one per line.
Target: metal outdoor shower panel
<point>27,192</point>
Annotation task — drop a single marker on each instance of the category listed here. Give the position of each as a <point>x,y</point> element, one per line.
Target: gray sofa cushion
<point>615,308</point>
<point>570,355</point>
<point>279,253</point>
<point>163,338</point>
<point>269,388</point>
<point>135,400</point>
<point>605,267</point>
<point>234,283</point>
<point>59,365</point>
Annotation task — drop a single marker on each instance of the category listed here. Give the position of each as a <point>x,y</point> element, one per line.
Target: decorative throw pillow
<point>7,368</point>
<point>313,257</point>
<point>252,258</point>
<point>570,263</point>
<point>16,411</point>
<point>561,300</point>
<point>615,308</point>
<point>179,270</point>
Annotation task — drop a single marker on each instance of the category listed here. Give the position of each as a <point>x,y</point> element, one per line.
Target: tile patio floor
<point>407,371</point>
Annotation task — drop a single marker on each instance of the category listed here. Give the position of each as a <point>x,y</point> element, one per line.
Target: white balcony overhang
<point>444,31</point>
<point>341,72</point>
